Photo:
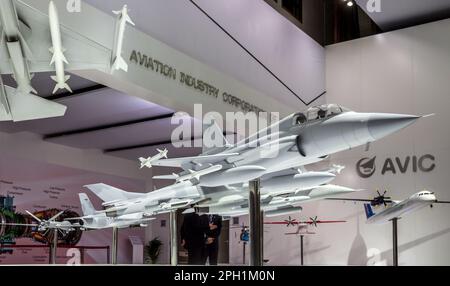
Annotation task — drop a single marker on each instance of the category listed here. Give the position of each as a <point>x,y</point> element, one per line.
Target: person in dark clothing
<point>193,237</point>
<point>211,249</point>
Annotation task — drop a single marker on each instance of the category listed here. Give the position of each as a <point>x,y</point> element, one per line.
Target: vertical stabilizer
<point>86,205</point>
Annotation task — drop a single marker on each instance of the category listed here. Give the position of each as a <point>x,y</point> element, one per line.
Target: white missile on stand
<point>117,61</point>
<point>57,50</point>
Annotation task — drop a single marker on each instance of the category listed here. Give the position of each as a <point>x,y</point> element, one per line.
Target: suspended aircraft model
<point>295,141</point>
<point>21,25</point>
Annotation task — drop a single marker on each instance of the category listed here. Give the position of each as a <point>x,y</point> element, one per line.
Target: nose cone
<point>382,125</point>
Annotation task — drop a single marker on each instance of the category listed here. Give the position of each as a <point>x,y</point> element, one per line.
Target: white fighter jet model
<point>94,220</point>
<point>147,162</point>
<point>398,209</point>
<point>302,138</point>
<point>298,140</point>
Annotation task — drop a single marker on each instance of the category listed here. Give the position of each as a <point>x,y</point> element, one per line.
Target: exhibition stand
<point>256,223</point>
<point>173,238</point>
<point>115,245</point>
<point>53,247</point>
<point>395,242</point>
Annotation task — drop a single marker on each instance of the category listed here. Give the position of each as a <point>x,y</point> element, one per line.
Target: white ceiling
<point>397,14</point>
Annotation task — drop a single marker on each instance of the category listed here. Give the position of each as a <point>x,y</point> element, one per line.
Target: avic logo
<point>366,167</point>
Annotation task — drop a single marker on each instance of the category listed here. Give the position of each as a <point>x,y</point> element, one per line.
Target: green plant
<point>152,249</point>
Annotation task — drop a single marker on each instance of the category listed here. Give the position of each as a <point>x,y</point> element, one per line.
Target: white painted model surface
<point>147,162</point>
<point>19,104</point>
<point>302,138</point>
<point>57,50</point>
<point>398,209</point>
<point>191,175</point>
<point>118,62</point>
<point>93,219</point>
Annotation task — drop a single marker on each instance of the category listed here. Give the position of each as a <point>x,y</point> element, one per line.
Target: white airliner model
<point>302,138</point>
<point>20,25</point>
<point>398,209</point>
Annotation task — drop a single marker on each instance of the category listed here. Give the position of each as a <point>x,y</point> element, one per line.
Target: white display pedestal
<point>137,250</point>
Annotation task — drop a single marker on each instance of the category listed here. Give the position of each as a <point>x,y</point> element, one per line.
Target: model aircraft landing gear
<point>115,245</point>
<point>173,238</point>
<point>256,224</point>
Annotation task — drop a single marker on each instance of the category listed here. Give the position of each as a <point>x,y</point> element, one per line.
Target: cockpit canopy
<point>319,112</point>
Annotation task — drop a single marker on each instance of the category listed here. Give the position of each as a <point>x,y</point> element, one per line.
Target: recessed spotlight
<point>350,3</point>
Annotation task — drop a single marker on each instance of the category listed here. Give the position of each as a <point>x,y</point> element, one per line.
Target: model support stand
<point>53,247</point>
<point>115,245</point>
<point>394,242</point>
<point>256,217</point>
<point>301,249</point>
<point>173,238</point>
<point>243,252</point>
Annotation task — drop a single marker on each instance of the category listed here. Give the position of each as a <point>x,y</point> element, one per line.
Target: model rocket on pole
<point>57,50</point>
<point>117,62</point>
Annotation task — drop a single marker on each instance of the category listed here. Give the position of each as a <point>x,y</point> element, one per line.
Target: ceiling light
<point>350,3</point>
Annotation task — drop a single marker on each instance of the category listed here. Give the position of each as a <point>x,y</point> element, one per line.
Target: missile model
<point>57,50</point>
<point>147,162</point>
<point>190,175</point>
<point>118,63</point>
<point>20,104</point>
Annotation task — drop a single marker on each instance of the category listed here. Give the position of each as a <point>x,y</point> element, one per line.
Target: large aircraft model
<point>398,209</point>
<point>302,138</point>
<point>395,209</point>
<point>297,140</point>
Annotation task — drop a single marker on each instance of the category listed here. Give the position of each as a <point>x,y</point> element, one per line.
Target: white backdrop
<point>405,71</point>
